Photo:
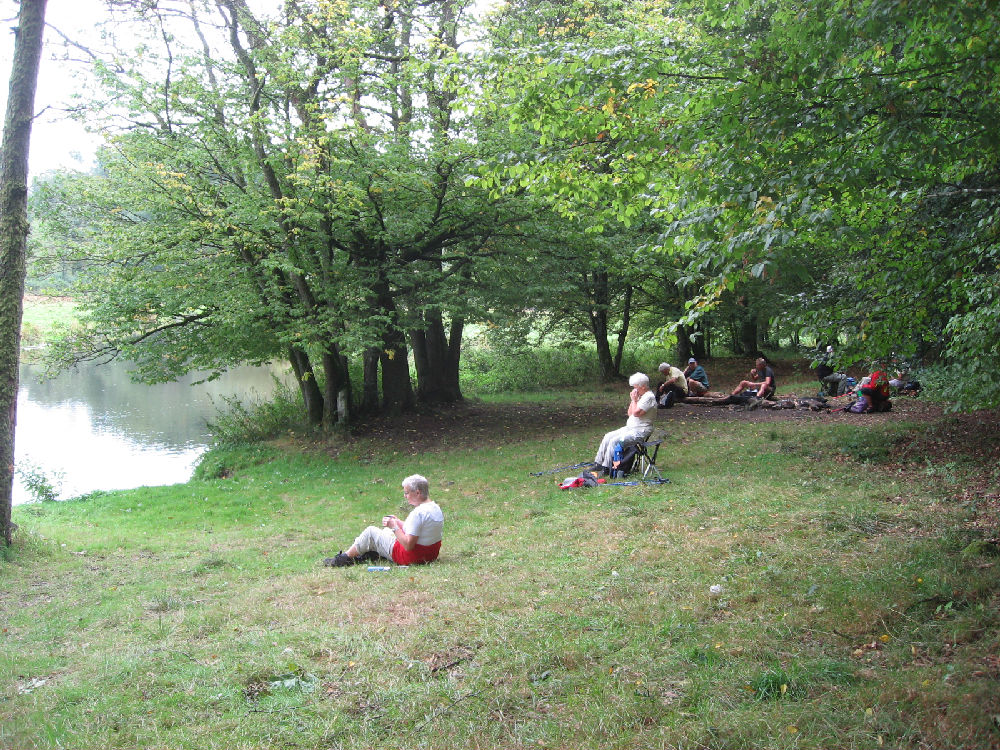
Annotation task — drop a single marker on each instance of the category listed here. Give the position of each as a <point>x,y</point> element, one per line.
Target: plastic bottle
<point>379,568</point>
<point>616,457</point>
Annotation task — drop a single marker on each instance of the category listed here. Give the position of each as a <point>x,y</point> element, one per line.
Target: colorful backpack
<point>880,383</point>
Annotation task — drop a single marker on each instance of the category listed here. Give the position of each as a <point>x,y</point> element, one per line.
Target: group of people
<point>417,539</point>
<point>679,384</point>
<point>873,391</point>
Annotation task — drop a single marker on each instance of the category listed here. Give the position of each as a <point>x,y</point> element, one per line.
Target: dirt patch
<point>489,425</point>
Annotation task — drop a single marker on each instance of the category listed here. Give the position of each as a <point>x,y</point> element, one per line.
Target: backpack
<point>860,406</point>
<point>880,384</point>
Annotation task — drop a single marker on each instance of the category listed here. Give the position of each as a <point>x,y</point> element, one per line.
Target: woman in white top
<point>411,542</point>
<point>638,426</point>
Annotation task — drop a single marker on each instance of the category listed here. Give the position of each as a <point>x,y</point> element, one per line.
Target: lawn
<point>856,599</point>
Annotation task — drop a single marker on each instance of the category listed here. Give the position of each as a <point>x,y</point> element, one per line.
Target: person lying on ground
<point>697,378</point>
<point>762,383</point>
<point>674,388</point>
<point>638,426</point>
<point>411,542</point>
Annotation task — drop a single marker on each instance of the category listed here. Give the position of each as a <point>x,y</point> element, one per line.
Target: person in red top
<point>411,542</point>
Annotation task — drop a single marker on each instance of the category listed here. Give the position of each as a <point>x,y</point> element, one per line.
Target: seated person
<point>638,426</point>
<point>762,381</point>
<point>697,378</point>
<point>413,541</point>
<point>674,388</point>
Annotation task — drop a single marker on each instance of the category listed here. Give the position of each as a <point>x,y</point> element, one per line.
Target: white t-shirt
<point>646,402</point>
<point>426,522</point>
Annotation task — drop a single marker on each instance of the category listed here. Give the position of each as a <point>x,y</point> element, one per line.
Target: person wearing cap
<point>638,426</point>
<point>674,388</point>
<point>697,378</point>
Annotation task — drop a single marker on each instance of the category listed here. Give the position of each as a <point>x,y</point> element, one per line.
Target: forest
<point>352,187</point>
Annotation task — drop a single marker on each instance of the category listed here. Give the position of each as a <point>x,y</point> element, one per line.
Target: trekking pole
<point>634,482</point>
<point>559,468</point>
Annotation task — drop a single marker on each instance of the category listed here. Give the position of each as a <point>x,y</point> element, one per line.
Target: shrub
<point>42,486</point>
<point>489,371</point>
<point>239,422</point>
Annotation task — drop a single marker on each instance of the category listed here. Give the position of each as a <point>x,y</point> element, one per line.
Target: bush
<point>42,486</point>
<point>239,423</point>
<point>489,371</point>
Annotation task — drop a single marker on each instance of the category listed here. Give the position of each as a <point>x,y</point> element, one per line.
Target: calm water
<point>94,429</point>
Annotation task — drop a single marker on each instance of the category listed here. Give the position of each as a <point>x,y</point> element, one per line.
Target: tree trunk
<point>700,346</point>
<point>436,356</point>
<point>369,385</point>
<point>599,324</point>
<point>308,387</point>
<point>748,335</point>
<point>336,388</point>
<point>683,344</point>
<point>623,332</point>
<point>397,390</point>
<point>14,233</point>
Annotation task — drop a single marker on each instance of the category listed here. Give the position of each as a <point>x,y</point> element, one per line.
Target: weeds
<point>257,420</point>
<point>41,485</point>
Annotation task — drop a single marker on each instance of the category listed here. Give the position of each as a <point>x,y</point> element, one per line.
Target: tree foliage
<point>295,184</point>
<point>353,180</point>
<point>848,148</point>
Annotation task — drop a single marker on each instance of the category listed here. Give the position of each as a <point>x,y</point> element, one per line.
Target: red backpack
<point>880,383</point>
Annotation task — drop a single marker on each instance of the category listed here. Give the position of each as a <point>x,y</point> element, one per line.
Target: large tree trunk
<point>599,302</point>
<point>336,388</point>
<point>308,387</point>
<point>369,385</point>
<point>436,356</point>
<point>397,390</point>
<point>14,233</point>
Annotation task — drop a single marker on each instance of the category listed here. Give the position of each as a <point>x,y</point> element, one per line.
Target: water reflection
<point>97,430</point>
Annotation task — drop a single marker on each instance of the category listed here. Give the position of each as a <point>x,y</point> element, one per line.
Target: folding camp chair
<point>645,460</point>
<point>640,458</point>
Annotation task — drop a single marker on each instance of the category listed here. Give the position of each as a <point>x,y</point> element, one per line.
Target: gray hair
<point>418,484</point>
<point>637,379</point>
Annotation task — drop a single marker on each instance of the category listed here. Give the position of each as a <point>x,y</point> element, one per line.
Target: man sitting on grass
<point>411,542</point>
<point>762,384</point>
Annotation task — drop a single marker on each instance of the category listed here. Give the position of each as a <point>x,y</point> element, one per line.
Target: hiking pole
<point>634,482</point>
<point>560,468</point>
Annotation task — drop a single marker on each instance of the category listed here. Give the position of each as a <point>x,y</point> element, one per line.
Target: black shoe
<point>341,560</point>
<point>369,556</point>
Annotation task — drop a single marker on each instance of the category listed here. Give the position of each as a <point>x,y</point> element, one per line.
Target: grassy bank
<point>853,612</point>
<point>42,316</point>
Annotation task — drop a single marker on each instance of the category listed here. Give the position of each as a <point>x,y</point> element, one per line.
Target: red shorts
<point>421,553</point>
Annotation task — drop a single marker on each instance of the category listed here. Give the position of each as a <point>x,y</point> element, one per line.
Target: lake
<point>92,428</point>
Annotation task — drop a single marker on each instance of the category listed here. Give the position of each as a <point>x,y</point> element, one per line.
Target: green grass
<point>198,616</point>
<point>43,316</point>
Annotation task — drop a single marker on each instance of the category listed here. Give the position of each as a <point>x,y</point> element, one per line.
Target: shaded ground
<point>492,424</point>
